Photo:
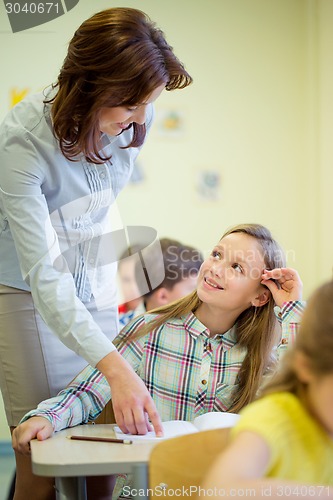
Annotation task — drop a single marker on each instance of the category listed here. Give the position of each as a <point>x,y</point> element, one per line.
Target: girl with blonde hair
<point>205,352</point>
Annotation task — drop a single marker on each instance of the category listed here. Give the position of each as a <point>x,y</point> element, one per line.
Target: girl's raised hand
<point>287,285</point>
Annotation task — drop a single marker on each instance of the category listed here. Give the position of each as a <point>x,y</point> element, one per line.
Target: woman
<point>65,154</point>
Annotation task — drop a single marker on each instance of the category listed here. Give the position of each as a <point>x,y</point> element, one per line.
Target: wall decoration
<point>169,123</point>
<point>16,95</point>
<point>209,185</point>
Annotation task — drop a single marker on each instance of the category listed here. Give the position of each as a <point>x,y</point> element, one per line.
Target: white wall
<point>259,112</point>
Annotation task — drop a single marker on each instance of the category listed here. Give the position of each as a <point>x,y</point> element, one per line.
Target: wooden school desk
<point>71,461</point>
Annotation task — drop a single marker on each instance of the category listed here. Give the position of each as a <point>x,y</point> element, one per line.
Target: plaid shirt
<point>187,372</point>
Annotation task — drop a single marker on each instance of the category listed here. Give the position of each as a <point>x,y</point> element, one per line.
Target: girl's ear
<point>262,298</point>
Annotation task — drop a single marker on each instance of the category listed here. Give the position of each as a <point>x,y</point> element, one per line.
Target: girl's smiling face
<point>230,278</point>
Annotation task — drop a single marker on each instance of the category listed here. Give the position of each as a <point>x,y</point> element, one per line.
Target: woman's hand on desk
<point>34,427</point>
<point>132,404</point>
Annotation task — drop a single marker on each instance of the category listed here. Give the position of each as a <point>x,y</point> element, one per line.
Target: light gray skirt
<point>34,363</point>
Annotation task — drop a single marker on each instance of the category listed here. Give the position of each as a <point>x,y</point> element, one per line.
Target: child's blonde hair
<point>314,340</point>
<point>256,326</point>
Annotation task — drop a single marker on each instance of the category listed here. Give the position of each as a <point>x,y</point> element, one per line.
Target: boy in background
<point>180,267</point>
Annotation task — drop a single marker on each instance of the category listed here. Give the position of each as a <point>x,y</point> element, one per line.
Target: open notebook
<point>173,428</point>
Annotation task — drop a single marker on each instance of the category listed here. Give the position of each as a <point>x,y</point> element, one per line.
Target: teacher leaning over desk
<point>65,154</point>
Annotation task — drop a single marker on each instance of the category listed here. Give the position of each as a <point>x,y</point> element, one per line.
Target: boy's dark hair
<point>180,262</point>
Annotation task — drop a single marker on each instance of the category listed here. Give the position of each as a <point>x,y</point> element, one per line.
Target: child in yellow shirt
<point>282,445</point>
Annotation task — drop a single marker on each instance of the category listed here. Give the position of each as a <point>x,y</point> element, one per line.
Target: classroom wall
<point>324,163</point>
<point>255,124</point>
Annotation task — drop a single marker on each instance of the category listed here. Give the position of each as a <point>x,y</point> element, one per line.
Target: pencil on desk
<point>100,439</point>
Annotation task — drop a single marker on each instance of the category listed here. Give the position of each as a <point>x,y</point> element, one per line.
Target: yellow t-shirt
<point>300,448</point>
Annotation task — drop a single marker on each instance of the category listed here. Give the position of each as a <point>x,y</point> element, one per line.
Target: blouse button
<point>204,382</point>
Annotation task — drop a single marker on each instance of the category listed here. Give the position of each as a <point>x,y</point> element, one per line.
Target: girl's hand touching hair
<point>284,284</point>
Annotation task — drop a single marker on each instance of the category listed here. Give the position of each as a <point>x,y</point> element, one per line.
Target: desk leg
<point>140,481</point>
<point>71,488</point>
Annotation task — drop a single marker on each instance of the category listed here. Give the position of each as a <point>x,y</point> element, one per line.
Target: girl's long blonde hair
<point>256,326</point>
<point>314,340</point>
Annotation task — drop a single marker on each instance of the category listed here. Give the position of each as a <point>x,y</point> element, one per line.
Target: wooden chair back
<point>107,415</point>
<point>182,462</point>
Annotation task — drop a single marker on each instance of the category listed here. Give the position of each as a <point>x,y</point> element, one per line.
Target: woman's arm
<point>132,404</point>
<point>53,289</point>
<point>240,472</point>
<point>85,397</point>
